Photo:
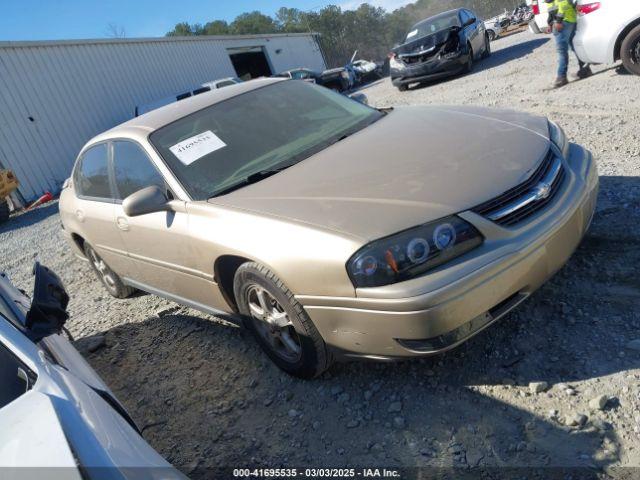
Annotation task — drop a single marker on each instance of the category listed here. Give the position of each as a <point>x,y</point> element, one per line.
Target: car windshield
<point>221,147</point>
<point>434,24</point>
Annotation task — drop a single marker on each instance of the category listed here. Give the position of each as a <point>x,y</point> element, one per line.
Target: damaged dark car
<point>440,46</point>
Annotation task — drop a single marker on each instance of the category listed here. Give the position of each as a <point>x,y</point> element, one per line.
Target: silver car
<point>55,412</point>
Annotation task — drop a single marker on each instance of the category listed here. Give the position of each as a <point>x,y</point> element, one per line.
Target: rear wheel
<point>279,323</point>
<point>4,211</point>
<point>403,88</point>
<point>630,51</point>
<point>110,279</point>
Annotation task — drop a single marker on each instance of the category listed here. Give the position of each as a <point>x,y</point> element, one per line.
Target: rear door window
<point>92,174</point>
<point>133,169</point>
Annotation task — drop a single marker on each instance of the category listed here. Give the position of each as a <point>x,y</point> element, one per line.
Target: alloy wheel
<point>273,324</point>
<point>635,53</point>
<point>102,269</point>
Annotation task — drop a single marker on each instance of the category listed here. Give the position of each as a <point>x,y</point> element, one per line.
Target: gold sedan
<point>333,229</point>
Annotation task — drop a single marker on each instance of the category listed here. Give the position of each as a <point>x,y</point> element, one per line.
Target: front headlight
<point>396,63</point>
<point>558,138</point>
<point>411,253</point>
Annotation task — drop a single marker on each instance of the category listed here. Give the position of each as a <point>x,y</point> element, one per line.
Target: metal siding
<point>75,90</point>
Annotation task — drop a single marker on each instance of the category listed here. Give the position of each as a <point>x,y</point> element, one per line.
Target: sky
<point>73,19</point>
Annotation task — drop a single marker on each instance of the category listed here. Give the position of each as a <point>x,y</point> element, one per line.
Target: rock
<point>267,402</point>
<point>353,424</point>
<point>599,402</point>
<point>576,420</point>
<point>293,413</point>
<point>167,311</point>
<point>343,398</point>
<point>367,395</point>
<point>570,391</point>
<point>191,467</point>
<point>95,343</point>
<point>398,422</point>
<point>634,345</point>
<point>395,407</point>
<point>538,387</point>
<point>337,390</point>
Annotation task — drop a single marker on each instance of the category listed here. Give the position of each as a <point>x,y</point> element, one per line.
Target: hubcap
<point>635,52</point>
<point>273,324</point>
<point>103,270</point>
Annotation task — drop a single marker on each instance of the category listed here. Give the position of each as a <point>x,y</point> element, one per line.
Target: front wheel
<point>279,323</point>
<point>492,35</point>
<point>630,51</point>
<point>487,47</point>
<point>403,88</point>
<point>469,65</point>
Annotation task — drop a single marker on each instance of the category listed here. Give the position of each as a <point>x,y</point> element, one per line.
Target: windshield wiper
<point>253,178</point>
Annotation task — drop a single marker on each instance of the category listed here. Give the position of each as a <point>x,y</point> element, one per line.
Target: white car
<point>540,16</point>
<point>222,82</point>
<point>609,30</point>
<point>493,28</point>
<point>205,87</point>
<point>55,412</point>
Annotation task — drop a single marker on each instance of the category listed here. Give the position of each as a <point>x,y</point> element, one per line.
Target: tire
<point>294,345</point>
<point>110,279</point>
<point>403,88</point>
<point>533,26</point>
<point>492,35</point>
<point>487,47</point>
<point>630,51</point>
<point>4,211</point>
<point>469,66</point>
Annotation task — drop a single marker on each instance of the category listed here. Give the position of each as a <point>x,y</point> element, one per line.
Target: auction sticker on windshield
<point>193,148</point>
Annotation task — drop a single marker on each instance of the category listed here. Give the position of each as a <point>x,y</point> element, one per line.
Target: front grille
<point>413,59</point>
<point>522,201</point>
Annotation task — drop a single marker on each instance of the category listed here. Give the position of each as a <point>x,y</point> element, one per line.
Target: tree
<point>217,27</point>
<point>182,29</point>
<point>114,30</point>
<point>290,20</point>
<point>253,23</point>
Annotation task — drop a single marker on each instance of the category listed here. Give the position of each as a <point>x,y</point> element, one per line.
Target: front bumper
<point>433,69</point>
<point>436,312</point>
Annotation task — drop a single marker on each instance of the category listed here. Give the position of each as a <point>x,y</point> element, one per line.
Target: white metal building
<point>56,95</point>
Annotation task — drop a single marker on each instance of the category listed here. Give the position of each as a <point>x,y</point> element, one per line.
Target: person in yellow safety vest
<point>563,19</point>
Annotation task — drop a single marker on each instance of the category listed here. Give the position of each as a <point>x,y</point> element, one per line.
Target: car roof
<point>140,127</point>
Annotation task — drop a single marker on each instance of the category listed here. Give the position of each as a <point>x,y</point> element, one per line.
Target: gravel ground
<point>554,384</point>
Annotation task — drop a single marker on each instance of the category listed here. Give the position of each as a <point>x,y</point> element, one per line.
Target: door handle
<point>122,224</point>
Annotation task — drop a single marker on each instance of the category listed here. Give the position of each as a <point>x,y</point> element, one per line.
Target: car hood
<point>415,165</point>
<point>427,43</point>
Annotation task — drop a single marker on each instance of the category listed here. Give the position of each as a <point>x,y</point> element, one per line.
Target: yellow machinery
<point>8,184</point>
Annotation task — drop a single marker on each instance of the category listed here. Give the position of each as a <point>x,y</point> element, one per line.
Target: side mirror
<point>148,200</point>
<point>470,21</point>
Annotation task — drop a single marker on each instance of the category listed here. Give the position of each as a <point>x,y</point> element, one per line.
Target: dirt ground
<point>206,396</point>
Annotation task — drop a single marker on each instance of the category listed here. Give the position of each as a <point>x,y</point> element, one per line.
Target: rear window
<point>92,174</point>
